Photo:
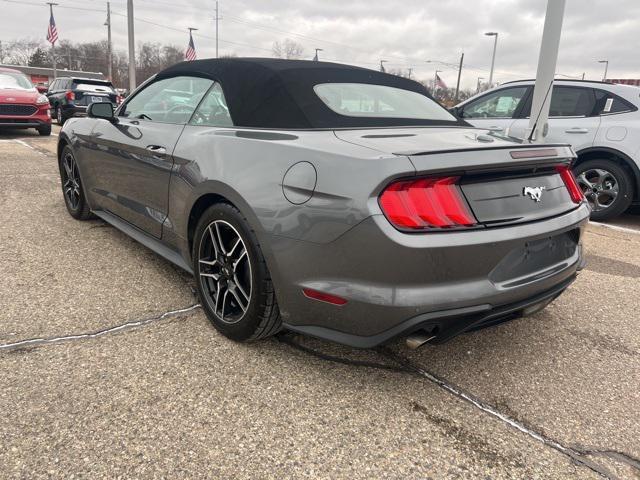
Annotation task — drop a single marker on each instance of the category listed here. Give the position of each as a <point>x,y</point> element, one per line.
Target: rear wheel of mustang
<point>606,185</point>
<point>233,281</point>
<point>72,190</point>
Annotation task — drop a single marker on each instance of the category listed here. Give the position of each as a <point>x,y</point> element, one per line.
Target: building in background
<point>44,76</point>
<point>623,81</point>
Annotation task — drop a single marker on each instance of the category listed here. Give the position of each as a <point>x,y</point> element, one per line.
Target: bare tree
<point>287,49</point>
<point>19,52</point>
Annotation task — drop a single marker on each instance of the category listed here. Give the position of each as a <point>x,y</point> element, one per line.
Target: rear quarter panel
<point>247,167</point>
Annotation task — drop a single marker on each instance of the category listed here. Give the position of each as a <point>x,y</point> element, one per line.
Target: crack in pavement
<point>403,365</point>
<point>37,342</point>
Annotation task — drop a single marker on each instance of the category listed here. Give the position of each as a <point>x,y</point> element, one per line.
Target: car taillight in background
<point>70,96</point>
<point>575,192</point>
<point>426,203</point>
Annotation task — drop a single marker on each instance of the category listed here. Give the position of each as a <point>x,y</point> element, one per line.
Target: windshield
<point>380,101</point>
<point>15,81</point>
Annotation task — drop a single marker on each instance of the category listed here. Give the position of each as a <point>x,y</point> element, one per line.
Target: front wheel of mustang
<point>233,281</point>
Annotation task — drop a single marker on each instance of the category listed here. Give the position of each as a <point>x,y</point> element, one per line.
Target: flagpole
<point>53,44</point>
<point>217,18</point>
<point>132,47</point>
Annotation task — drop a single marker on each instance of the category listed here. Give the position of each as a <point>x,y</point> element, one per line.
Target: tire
<point>45,130</point>
<point>600,180</point>
<point>60,116</point>
<point>239,276</point>
<point>72,190</point>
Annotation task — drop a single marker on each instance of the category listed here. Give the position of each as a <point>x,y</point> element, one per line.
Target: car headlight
<point>42,99</point>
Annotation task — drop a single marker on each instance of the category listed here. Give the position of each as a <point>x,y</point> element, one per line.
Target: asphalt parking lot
<point>110,369</point>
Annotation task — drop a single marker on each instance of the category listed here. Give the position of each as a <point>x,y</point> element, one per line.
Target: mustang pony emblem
<point>534,192</point>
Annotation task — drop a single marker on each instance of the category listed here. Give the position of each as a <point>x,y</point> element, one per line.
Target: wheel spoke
<point>219,238</point>
<point>240,257</point>
<point>582,178</point>
<point>233,249</point>
<point>239,287</point>
<point>240,302</point>
<point>224,302</point>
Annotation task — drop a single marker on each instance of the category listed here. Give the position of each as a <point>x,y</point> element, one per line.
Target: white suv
<point>600,120</point>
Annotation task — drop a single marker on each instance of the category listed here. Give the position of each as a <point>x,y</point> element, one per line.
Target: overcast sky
<point>406,33</point>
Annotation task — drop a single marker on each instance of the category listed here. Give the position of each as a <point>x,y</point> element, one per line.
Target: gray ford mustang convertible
<point>327,199</point>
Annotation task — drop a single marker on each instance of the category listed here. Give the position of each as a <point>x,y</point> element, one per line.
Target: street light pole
<point>217,18</point>
<point>109,50</point>
<point>459,75</point>
<point>382,62</point>
<point>493,57</point>
<point>606,68</point>
<point>132,47</point>
<point>538,120</point>
<point>315,58</point>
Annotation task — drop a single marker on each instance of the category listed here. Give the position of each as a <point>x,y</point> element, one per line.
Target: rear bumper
<point>396,283</point>
<point>74,111</point>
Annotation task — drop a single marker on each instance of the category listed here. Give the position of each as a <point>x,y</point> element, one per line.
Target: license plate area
<point>535,259</point>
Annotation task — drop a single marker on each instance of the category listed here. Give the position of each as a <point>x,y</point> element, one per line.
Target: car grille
<point>18,110</point>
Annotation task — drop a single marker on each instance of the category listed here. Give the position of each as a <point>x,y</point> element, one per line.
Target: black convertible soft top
<point>277,93</point>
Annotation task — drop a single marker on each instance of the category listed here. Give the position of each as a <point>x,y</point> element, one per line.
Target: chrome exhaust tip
<point>416,340</point>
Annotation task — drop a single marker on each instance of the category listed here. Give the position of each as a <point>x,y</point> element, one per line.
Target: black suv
<point>71,96</point>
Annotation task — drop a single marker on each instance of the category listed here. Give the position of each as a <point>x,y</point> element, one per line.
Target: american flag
<point>439,82</point>
<point>52,31</point>
<point>190,54</point>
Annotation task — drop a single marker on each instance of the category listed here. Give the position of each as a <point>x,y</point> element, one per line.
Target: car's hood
<point>415,141</point>
<point>8,95</point>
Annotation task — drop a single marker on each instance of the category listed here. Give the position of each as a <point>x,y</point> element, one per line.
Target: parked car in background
<point>21,105</point>
<point>70,96</point>
<point>600,120</point>
<point>327,199</point>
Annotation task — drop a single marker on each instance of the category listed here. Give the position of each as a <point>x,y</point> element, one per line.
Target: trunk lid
<point>503,181</point>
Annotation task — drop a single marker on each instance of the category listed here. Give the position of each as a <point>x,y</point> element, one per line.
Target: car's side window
<point>608,103</point>
<point>171,100</point>
<point>213,110</point>
<point>500,104</point>
<point>571,102</point>
<point>53,86</point>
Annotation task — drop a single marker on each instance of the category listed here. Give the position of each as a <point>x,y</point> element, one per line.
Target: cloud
<point>406,33</point>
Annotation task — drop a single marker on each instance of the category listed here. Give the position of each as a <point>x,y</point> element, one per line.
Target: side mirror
<point>42,89</point>
<point>456,111</point>
<point>102,110</point>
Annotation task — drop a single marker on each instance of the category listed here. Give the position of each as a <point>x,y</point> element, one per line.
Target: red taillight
<point>426,203</point>
<point>323,297</point>
<point>572,186</point>
<point>70,96</point>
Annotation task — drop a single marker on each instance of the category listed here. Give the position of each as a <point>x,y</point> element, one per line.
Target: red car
<point>21,105</point>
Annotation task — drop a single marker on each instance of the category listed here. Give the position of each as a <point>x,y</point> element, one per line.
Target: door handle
<point>157,149</point>
<point>577,130</point>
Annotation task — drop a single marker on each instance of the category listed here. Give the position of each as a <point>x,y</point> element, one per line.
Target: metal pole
<point>132,47</point>
<point>493,57</point>
<point>53,45</point>
<point>606,68</point>
<point>217,18</point>
<point>109,48</point>
<point>538,121</point>
<point>459,75</point>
